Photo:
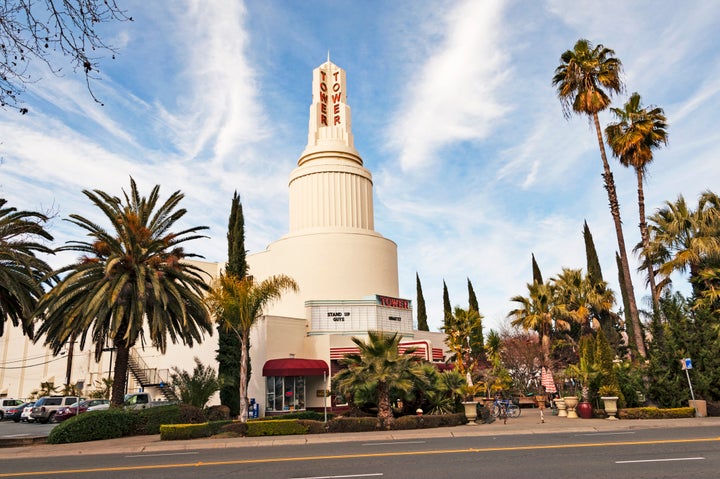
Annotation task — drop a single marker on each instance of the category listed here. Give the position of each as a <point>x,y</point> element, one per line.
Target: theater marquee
<point>383,313</point>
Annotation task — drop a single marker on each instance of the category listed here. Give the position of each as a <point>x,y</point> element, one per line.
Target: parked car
<point>66,412</point>
<point>25,416</point>
<point>15,412</point>
<point>46,407</point>
<point>7,403</point>
<point>134,401</point>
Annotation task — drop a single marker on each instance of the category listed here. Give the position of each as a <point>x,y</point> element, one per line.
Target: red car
<point>70,411</point>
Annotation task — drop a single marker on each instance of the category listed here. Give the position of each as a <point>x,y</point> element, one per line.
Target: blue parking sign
<point>687,363</point>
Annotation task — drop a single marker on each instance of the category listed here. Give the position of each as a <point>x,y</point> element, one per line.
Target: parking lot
<point>10,429</point>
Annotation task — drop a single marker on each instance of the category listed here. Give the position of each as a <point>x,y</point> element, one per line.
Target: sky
<point>453,111</point>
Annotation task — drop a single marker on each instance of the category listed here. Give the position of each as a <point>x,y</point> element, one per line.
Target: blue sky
<point>453,111</point>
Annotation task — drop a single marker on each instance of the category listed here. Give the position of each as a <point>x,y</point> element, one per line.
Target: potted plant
<point>470,390</point>
<point>585,372</point>
<point>610,394</point>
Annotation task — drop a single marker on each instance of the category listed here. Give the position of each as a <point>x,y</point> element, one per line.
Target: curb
<point>22,441</point>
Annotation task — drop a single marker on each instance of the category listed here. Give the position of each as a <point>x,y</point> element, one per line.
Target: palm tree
<point>132,280</point>
<point>237,304</point>
<point>378,367</point>
<point>464,338</point>
<point>196,388</point>
<point>686,240</point>
<point>579,298</point>
<point>632,140</point>
<point>538,311</point>
<point>21,272</point>
<point>585,80</point>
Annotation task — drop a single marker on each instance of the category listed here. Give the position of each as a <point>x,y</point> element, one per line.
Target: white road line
<point>604,434</point>
<point>338,477</point>
<point>166,454</point>
<point>662,460</point>
<point>392,443</point>
<point>15,435</point>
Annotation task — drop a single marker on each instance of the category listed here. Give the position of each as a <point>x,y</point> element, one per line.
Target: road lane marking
<point>338,477</point>
<point>604,434</point>
<point>662,460</point>
<point>349,456</point>
<point>392,443</point>
<point>165,454</point>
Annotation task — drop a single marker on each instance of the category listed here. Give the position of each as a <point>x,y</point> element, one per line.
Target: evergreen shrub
<point>655,413</point>
<point>430,421</point>
<point>93,426</point>
<point>309,415</point>
<point>148,421</point>
<point>217,413</point>
<point>280,427</point>
<point>353,424</point>
<point>169,432</point>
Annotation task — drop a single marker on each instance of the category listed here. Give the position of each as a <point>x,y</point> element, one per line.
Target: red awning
<point>295,367</point>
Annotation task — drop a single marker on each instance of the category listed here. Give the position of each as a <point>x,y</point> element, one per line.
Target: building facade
<point>346,271</point>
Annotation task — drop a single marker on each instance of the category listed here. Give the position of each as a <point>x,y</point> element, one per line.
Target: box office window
<point>285,393</point>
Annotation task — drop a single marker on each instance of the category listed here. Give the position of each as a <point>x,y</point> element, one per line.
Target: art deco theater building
<point>346,271</point>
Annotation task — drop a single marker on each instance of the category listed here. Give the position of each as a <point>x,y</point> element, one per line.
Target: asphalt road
<point>641,453</point>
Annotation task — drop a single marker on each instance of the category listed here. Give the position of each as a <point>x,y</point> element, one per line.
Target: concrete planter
<point>571,403</point>
<point>470,412</point>
<point>700,407</point>
<point>610,404</point>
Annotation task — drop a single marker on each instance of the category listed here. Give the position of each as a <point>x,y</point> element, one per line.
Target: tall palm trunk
<point>545,343</point>
<point>615,211</point>
<point>122,356</point>
<point>645,235</point>
<point>385,414</point>
<point>244,361</point>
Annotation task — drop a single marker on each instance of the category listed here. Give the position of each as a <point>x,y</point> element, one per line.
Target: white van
<point>7,403</point>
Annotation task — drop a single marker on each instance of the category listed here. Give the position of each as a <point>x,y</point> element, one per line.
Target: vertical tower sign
<point>329,112</point>
<point>331,95</point>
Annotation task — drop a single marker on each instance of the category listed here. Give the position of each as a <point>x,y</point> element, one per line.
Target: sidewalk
<point>527,423</point>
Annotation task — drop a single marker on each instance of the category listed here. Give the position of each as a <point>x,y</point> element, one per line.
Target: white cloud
<point>451,98</point>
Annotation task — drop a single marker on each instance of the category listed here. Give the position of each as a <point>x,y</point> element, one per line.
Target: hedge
<point>655,413</point>
<point>422,422</point>
<point>169,432</point>
<point>92,426</point>
<point>353,424</point>
<point>118,422</point>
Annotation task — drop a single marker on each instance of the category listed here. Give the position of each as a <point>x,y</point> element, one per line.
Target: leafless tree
<point>38,30</point>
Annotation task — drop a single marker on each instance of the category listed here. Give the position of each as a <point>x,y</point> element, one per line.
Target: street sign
<point>686,364</point>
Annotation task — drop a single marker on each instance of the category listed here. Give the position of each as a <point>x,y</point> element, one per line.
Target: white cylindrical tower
<point>331,249</point>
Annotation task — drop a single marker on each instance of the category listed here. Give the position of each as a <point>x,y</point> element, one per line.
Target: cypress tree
<point>421,311</point>
<point>478,341</point>
<point>537,275</point>
<point>447,309</point>
<point>228,353</point>
<point>593,263</point>
<point>472,299</point>
<point>594,271</point>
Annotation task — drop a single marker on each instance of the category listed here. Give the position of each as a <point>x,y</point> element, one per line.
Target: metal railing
<point>146,375</point>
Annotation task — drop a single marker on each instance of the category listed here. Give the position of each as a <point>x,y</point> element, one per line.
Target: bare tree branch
<point>36,30</point>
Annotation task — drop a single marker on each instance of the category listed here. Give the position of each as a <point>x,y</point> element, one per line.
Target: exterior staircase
<point>150,377</point>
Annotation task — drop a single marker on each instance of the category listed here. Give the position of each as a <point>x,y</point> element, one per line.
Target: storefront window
<point>285,393</point>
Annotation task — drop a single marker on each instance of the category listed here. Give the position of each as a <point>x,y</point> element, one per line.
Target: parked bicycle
<point>504,408</point>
